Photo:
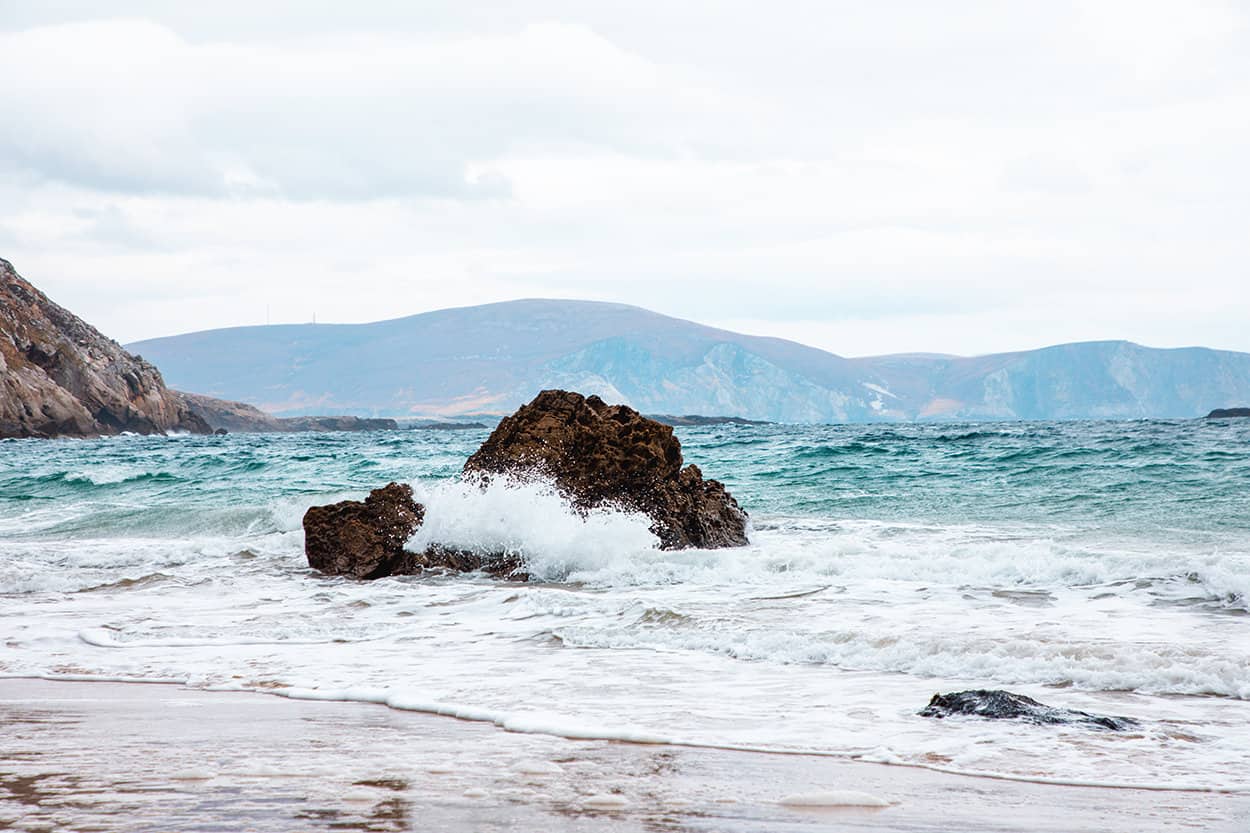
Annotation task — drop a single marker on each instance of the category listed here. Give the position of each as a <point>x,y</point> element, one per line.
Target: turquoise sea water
<point>1096,565</point>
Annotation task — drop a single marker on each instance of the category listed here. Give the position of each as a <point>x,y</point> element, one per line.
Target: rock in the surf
<point>1228,413</point>
<point>364,539</point>
<point>611,455</point>
<point>1003,705</point>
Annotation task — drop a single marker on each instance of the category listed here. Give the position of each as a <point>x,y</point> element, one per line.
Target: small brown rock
<point>364,539</point>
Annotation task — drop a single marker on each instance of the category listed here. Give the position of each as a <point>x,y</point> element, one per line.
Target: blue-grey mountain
<point>489,359</point>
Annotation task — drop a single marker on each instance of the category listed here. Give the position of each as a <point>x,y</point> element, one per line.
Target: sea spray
<point>529,518</point>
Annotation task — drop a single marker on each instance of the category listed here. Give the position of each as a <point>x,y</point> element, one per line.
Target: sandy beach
<point>96,756</point>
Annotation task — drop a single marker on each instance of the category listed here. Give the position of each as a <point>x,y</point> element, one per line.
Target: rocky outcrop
<point>365,540</point>
<point>1003,705</point>
<point>60,377</point>
<point>235,417</point>
<point>601,455</point>
<point>241,418</point>
<point>597,454</point>
<point>1228,413</point>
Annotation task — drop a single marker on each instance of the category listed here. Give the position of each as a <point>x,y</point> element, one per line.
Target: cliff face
<point>59,376</point>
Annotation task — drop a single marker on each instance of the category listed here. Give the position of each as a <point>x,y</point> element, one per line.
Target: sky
<point>957,177</point>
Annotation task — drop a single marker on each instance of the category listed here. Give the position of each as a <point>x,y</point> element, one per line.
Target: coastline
<point>112,756</point>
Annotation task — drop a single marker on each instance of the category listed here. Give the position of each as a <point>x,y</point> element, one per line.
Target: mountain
<point>60,377</point>
<point>489,359</point>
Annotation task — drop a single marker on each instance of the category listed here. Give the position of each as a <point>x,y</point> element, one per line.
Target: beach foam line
<point>98,678</point>
<point>101,638</point>
<point>553,725</point>
<point>520,722</point>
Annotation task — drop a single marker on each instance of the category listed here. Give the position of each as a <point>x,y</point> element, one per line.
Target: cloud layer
<point>905,177</point>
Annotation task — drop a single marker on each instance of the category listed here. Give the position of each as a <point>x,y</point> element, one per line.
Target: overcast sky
<point>866,177</point>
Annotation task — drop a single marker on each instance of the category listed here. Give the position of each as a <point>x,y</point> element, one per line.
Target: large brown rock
<point>599,455</point>
<point>60,377</point>
<point>596,454</point>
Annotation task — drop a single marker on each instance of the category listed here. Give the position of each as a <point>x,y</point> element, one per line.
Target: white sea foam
<point>941,650</point>
<point>606,801</point>
<point>105,475</point>
<point>825,636</point>
<point>104,639</point>
<point>532,520</point>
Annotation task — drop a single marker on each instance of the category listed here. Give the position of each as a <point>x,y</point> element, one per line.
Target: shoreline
<point>369,697</point>
<point>88,754</point>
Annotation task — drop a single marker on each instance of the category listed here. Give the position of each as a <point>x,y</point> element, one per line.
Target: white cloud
<point>946,177</point>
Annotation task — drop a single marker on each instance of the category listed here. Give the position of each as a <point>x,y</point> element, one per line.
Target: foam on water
<point>1090,566</point>
<point>532,520</point>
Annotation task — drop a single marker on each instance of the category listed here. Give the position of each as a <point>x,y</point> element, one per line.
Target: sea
<point>1099,566</point>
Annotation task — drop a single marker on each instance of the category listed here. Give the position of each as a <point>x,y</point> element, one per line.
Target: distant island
<point>1227,413</point>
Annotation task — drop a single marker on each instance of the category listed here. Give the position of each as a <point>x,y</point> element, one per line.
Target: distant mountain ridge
<point>489,359</point>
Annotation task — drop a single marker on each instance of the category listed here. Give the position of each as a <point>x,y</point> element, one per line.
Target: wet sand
<point>92,756</point>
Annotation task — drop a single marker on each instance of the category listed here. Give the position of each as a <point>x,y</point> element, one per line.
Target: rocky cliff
<point>59,376</point>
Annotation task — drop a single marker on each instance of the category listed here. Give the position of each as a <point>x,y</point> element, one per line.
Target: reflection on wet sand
<point>122,757</point>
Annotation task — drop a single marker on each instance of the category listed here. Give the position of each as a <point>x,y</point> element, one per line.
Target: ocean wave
<point>111,476</point>
<point>1030,658</point>
<point>530,519</point>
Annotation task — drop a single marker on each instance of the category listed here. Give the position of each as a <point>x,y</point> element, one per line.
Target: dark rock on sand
<point>59,376</point>
<point>364,539</point>
<point>600,454</point>
<point>1003,705</point>
<point>1228,413</point>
